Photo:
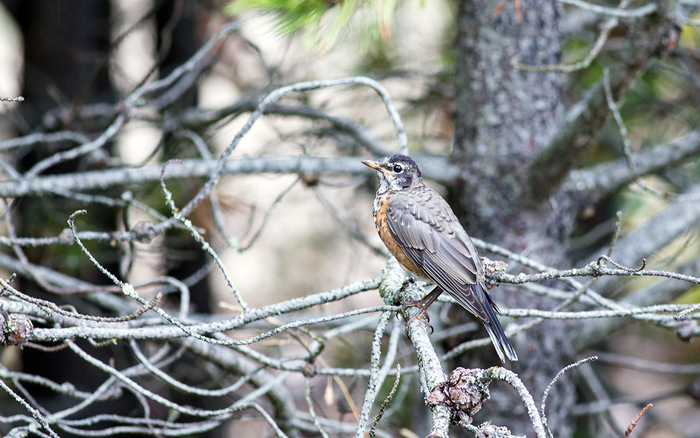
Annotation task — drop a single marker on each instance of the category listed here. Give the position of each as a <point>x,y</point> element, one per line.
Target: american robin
<point>419,228</point>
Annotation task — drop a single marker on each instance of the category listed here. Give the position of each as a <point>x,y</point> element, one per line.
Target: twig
<point>605,30</point>
<point>83,149</point>
<point>561,372</point>
<point>626,142</point>
<point>633,423</point>
<point>257,314</point>
<point>40,138</point>
<point>615,12</point>
<point>385,403</point>
<point>500,373</point>
<point>312,412</point>
<point>204,152</point>
<point>200,239</point>
<point>50,307</point>
<point>350,226</point>
<point>377,374</point>
<point>684,313</point>
<point>592,269</point>
<point>11,99</point>
<point>267,216</point>
<point>35,413</point>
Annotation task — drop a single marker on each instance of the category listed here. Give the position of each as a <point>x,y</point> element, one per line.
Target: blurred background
<point>283,235</point>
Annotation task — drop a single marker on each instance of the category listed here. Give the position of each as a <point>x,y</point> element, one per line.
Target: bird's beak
<point>373,164</point>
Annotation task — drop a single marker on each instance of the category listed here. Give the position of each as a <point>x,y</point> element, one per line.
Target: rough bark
<point>515,147</point>
<point>503,116</point>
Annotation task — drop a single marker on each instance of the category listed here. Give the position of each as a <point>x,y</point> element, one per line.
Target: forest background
<point>188,248</point>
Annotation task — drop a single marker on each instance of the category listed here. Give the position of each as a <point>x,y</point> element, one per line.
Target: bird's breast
<point>381,207</point>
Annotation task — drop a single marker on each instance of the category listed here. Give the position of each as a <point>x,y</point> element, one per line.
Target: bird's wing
<point>433,239</point>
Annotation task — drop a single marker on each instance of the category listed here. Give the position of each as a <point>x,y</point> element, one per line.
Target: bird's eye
<point>398,168</point>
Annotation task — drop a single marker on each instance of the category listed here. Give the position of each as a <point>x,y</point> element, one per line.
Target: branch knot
<point>464,393</point>
<point>14,328</point>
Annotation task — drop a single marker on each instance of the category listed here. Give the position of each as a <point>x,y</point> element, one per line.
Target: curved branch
<point>198,119</point>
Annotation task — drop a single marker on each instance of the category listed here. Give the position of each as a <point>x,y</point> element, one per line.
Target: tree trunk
<point>502,117</point>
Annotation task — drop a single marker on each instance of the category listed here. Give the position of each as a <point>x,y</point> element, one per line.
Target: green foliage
<point>690,35</point>
<point>292,15</point>
<point>325,22</point>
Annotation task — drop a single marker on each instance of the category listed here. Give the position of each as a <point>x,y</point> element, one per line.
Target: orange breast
<point>380,220</point>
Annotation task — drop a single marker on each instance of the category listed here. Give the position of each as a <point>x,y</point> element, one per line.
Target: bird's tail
<point>495,331</point>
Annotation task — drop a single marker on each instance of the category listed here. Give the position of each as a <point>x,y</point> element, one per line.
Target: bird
<point>422,232</point>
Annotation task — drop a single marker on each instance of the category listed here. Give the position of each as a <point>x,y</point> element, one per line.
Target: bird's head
<point>397,172</point>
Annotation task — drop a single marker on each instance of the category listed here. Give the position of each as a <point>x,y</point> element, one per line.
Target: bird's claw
<point>421,315</point>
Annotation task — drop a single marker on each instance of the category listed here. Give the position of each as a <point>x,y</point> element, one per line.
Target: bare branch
<point>584,121</point>
<point>386,402</point>
<point>614,12</point>
<point>543,408</point>
<point>11,99</point>
<point>436,169</point>
<point>377,375</point>
<point>312,411</point>
<point>203,243</point>
<point>431,373</point>
<point>633,423</point>
<point>32,427</point>
<point>601,179</point>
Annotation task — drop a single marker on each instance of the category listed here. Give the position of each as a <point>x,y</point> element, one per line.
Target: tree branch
<point>436,168</point>
<point>197,119</point>
<point>584,121</point>
<point>599,180</point>
<point>430,366</point>
<point>680,215</point>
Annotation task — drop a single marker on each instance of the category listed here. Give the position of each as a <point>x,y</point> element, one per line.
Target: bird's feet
<point>423,306</point>
<point>422,315</point>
